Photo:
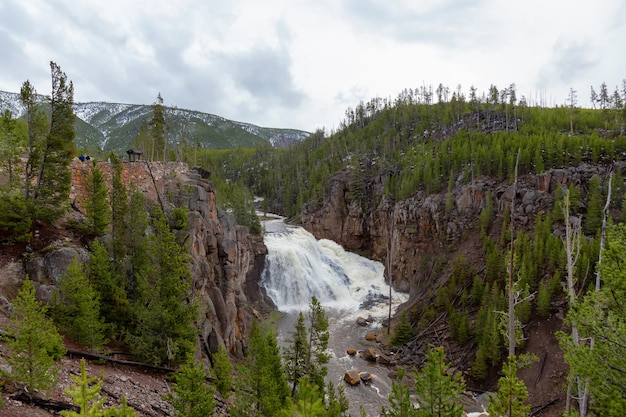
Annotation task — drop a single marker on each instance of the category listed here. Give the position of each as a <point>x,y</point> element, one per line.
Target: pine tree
<point>77,309</point>
<point>486,214</point>
<point>136,245</point>
<point>357,183</point>
<point>158,130</point>
<point>86,394</point>
<point>438,392</point>
<point>97,207</point>
<point>192,396</point>
<point>449,196</point>
<point>509,400</point>
<point>266,382</point>
<point>296,353</point>
<point>34,343</point>
<point>12,140</point>
<point>336,401</point>
<point>53,179</point>
<point>15,220</point>
<point>595,204</point>
<point>400,404</point>
<point>37,127</point>
<point>223,371</point>
<point>600,314</point>
<point>119,212</point>
<point>403,331</point>
<point>143,141</point>
<point>164,330</point>
<point>543,300</point>
<point>480,367</point>
<point>123,411</point>
<point>244,404</point>
<point>309,401</point>
<point>114,304</point>
<point>318,356</point>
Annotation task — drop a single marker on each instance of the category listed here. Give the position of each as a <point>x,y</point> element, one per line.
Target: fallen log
<point>24,396</point>
<point>539,408</point>
<point>543,365</point>
<point>97,357</point>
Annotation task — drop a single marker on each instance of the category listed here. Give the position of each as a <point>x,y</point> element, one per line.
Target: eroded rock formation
<point>419,229</point>
<point>226,260</point>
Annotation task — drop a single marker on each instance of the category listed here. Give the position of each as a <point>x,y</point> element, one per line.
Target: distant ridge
<point>103,127</point>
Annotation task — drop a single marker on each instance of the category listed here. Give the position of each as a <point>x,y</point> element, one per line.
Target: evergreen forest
<point>428,142</point>
<point>136,286</point>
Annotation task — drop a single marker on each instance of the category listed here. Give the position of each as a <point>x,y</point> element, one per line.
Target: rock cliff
<point>226,260</point>
<point>421,228</point>
<point>424,234</point>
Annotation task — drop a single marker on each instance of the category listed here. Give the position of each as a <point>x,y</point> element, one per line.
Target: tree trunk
<point>511,288</point>
<point>603,236</point>
<point>45,403</point>
<point>572,250</point>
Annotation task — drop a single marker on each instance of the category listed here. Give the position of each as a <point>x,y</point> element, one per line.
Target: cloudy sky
<point>301,64</point>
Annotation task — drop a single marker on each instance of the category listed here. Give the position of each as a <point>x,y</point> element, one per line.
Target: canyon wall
<point>419,231</point>
<point>226,260</point>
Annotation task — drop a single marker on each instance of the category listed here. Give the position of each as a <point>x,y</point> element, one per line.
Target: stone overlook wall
<point>145,176</point>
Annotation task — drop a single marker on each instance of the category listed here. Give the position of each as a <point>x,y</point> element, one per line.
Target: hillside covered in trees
<point>103,260</point>
<point>104,127</point>
<point>493,212</point>
<point>496,215</point>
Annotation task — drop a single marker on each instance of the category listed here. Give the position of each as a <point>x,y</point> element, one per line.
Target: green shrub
<point>403,331</point>
<point>543,300</point>
<point>178,218</point>
<point>15,221</point>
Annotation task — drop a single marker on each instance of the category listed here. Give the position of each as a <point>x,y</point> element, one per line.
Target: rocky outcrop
<point>226,260</point>
<point>413,231</point>
<point>226,264</point>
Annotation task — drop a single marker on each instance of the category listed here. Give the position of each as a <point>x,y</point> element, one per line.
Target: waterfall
<point>298,266</point>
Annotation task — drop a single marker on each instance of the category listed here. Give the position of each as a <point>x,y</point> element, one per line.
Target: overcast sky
<point>301,64</point>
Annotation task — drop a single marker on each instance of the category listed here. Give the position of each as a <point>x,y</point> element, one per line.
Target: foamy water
<point>298,266</point>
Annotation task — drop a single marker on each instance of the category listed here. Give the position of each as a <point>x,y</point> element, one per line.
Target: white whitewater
<point>297,267</point>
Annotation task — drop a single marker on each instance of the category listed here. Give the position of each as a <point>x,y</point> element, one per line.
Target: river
<point>348,286</point>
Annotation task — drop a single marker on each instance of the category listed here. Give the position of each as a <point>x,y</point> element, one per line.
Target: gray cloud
<point>11,55</point>
<point>301,64</point>
<point>448,22</point>
<point>571,60</point>
<point>264,73</point>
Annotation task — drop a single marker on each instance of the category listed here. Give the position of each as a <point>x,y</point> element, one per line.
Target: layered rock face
<point>226,260</point>
<point>417,230</point>
<point>226,264</point>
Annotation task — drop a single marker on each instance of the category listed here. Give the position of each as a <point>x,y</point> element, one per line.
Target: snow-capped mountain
<point>108,127</point>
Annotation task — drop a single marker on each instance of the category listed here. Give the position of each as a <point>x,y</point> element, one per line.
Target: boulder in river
<point>352,377</point>
<point>361,321</point>
<point>369,354</point>
<point>366,377</point>
<point>384,359</point>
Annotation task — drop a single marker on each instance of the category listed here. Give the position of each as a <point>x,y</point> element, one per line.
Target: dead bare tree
<point>573,233</point>
<point>511,324</point>
<point>603,236</point>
